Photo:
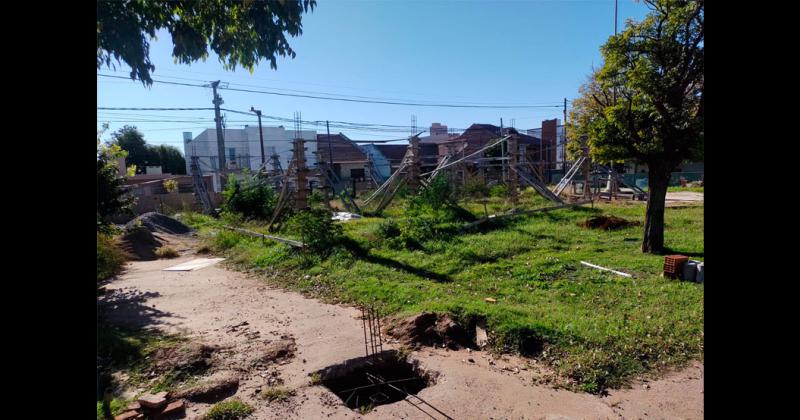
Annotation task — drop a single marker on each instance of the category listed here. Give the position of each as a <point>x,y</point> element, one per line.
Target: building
<point>243,148</point>
<point>554,142</point>
<point>479,135</point>
<point>350,161</point>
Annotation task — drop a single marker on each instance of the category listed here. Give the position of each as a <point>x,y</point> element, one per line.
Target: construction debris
<point>140,243</point>
<point>429,329</point>
<point>620,273</point>
<point>344,216</point>
<point>157,222</point>
<point>673,265</point>
<point>212,390</point>
<point>153,401</point>
<point>490,300</point>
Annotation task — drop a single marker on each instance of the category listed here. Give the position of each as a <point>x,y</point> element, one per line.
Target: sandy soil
<point>207,302</point>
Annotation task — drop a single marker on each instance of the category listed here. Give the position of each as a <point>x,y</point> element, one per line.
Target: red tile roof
<point>344,150</point>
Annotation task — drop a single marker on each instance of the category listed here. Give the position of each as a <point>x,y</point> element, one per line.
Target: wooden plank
<point>543,209</point>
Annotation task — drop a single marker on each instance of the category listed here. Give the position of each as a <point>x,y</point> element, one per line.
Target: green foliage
<point>167,252</point>
<point>388,229</point>
<point>233,409</point>
<point>433,197</point>
<point>249,196</point>
<point>316,229</point>
<point>141,154</point>
<point>499,190</point>
<point>240,33</point>
<point>170,185</point>
<point>110,258</point>
<point>111,196</point>
<point>475,187</point>
<point>276,393</point>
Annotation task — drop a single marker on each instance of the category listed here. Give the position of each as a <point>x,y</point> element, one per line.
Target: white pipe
<point>606,269</point>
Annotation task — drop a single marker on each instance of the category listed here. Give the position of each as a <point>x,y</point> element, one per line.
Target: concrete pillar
<point>301,195</point>
<point>414,167</point>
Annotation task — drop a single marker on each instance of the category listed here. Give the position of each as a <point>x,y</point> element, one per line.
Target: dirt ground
<point>212,303</point>
<point>683,197</point>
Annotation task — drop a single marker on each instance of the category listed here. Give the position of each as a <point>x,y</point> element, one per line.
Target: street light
<point>260,133</point>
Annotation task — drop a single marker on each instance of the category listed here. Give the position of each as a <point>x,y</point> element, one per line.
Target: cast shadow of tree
<point>129,308</point>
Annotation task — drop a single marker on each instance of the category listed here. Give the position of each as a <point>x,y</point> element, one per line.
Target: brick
<point>134,406</point>
<point>129,415</point>
<point>154,400</point>
<point>174,408</point>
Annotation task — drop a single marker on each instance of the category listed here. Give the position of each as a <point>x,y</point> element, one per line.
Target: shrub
<point>316,198</point>
<point>475,187</point>
<point>249,196</point>
<point>110,258</point>
<point>233,409</point>
<point>316,229</point>
<point>167,252</point>
<point>499,190</point>
<point>388,229</point>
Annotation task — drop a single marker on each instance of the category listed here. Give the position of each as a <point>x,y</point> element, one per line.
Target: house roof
<point>479,135</point>
<point>344,150</point>
<point>392,152</point>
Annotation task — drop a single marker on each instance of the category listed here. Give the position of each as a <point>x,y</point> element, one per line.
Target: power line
<point>387,102</point>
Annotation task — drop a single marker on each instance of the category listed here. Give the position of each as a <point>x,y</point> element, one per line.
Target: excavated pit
<point>358,381</point>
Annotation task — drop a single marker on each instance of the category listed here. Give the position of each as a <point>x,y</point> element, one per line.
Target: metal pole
<point>260,134</point>
<point>218,119</point>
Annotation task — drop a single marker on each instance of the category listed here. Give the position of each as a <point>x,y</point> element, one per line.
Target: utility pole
<point>563,140</point>
<point>615,17</point>
<point>218,119</point>
<point>260,134</point>
<point>502,152</point>
<point>330,148</point>
<point>513,147</point>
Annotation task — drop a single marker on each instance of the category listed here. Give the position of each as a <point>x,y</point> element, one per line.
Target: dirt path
<point>683,197</point>
<point>207,302</point>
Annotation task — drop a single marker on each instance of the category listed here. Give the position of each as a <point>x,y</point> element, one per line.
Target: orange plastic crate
<point>673,265</point>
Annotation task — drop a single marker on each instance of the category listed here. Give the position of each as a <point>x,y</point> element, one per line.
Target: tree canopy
<point>141,154</point>
<point>240,32</point>
<point>646,101</point>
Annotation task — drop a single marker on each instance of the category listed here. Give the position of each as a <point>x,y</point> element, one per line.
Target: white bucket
<point>700,272</point>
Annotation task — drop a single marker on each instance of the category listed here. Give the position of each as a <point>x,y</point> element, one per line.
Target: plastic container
<point>689,270</point>
<point>700,272</point>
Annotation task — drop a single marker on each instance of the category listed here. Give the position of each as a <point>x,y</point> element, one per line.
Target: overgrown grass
<point>110,258</point>
<point>167,252</point>
<point>232,409</point>
<point>595,329</point>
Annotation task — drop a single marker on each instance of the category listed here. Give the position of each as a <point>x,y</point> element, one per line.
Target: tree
<point>111,197</point>
<point>131,140</point>
<point>646,102</point>
<point>171,159</point>
<point>240,32</point>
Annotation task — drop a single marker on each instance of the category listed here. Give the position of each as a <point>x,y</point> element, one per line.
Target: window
<point>357,174</point>
<point>231,153</point>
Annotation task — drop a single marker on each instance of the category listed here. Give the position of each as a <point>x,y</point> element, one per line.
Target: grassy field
<point>679,189</point>
<point>596,329</point>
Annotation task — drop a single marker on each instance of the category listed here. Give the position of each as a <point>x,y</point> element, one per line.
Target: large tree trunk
<point>658,181</point>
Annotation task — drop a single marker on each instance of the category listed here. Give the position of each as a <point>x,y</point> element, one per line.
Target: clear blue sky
<point>480,52</point>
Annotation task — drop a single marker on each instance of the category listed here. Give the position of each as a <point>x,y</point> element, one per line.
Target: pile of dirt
<point>429,329</point>
<point>157,222</point>
<point>140,243</point>
<point>274,352</point>
<point>216,388</point>
<point>607,223</point>
<point>190,358</point>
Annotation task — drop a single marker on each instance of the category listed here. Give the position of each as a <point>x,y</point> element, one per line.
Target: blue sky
<point>479,52</point>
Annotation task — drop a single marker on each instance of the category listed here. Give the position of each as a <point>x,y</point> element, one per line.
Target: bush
<point>110,258</point>
<point>167,252</point>
<point>388,229</point>
<point>233,409</point>
<point>499,190</point>
<point>249,196</point>
<point>475,187</point>
<point>316,229</point>
<point>316,199</point>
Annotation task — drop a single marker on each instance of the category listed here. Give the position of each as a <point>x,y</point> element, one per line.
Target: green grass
<point>167,252</point>
<point>276,393</point>
<point>232,409</point>
<point>679,189</point>
<point>596,329</point>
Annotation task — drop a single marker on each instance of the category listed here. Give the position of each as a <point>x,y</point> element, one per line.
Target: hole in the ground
<point>367,382</point>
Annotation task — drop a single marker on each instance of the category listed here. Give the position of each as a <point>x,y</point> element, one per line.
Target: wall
<point>172,202</point>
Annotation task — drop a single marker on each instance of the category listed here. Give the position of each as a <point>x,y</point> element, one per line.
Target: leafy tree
<point>131,140</point>
<point>111,197</point>
<point>141,154</point>
<point>240,32</point>
<point>646,102</point>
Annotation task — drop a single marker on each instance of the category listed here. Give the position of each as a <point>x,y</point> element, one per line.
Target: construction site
<point>514,254</point>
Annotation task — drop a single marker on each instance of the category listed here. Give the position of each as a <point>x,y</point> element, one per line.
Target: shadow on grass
<point>360,252</point>
<point>670,251</point>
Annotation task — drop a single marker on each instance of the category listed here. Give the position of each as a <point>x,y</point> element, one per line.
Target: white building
<point>243,147</point>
